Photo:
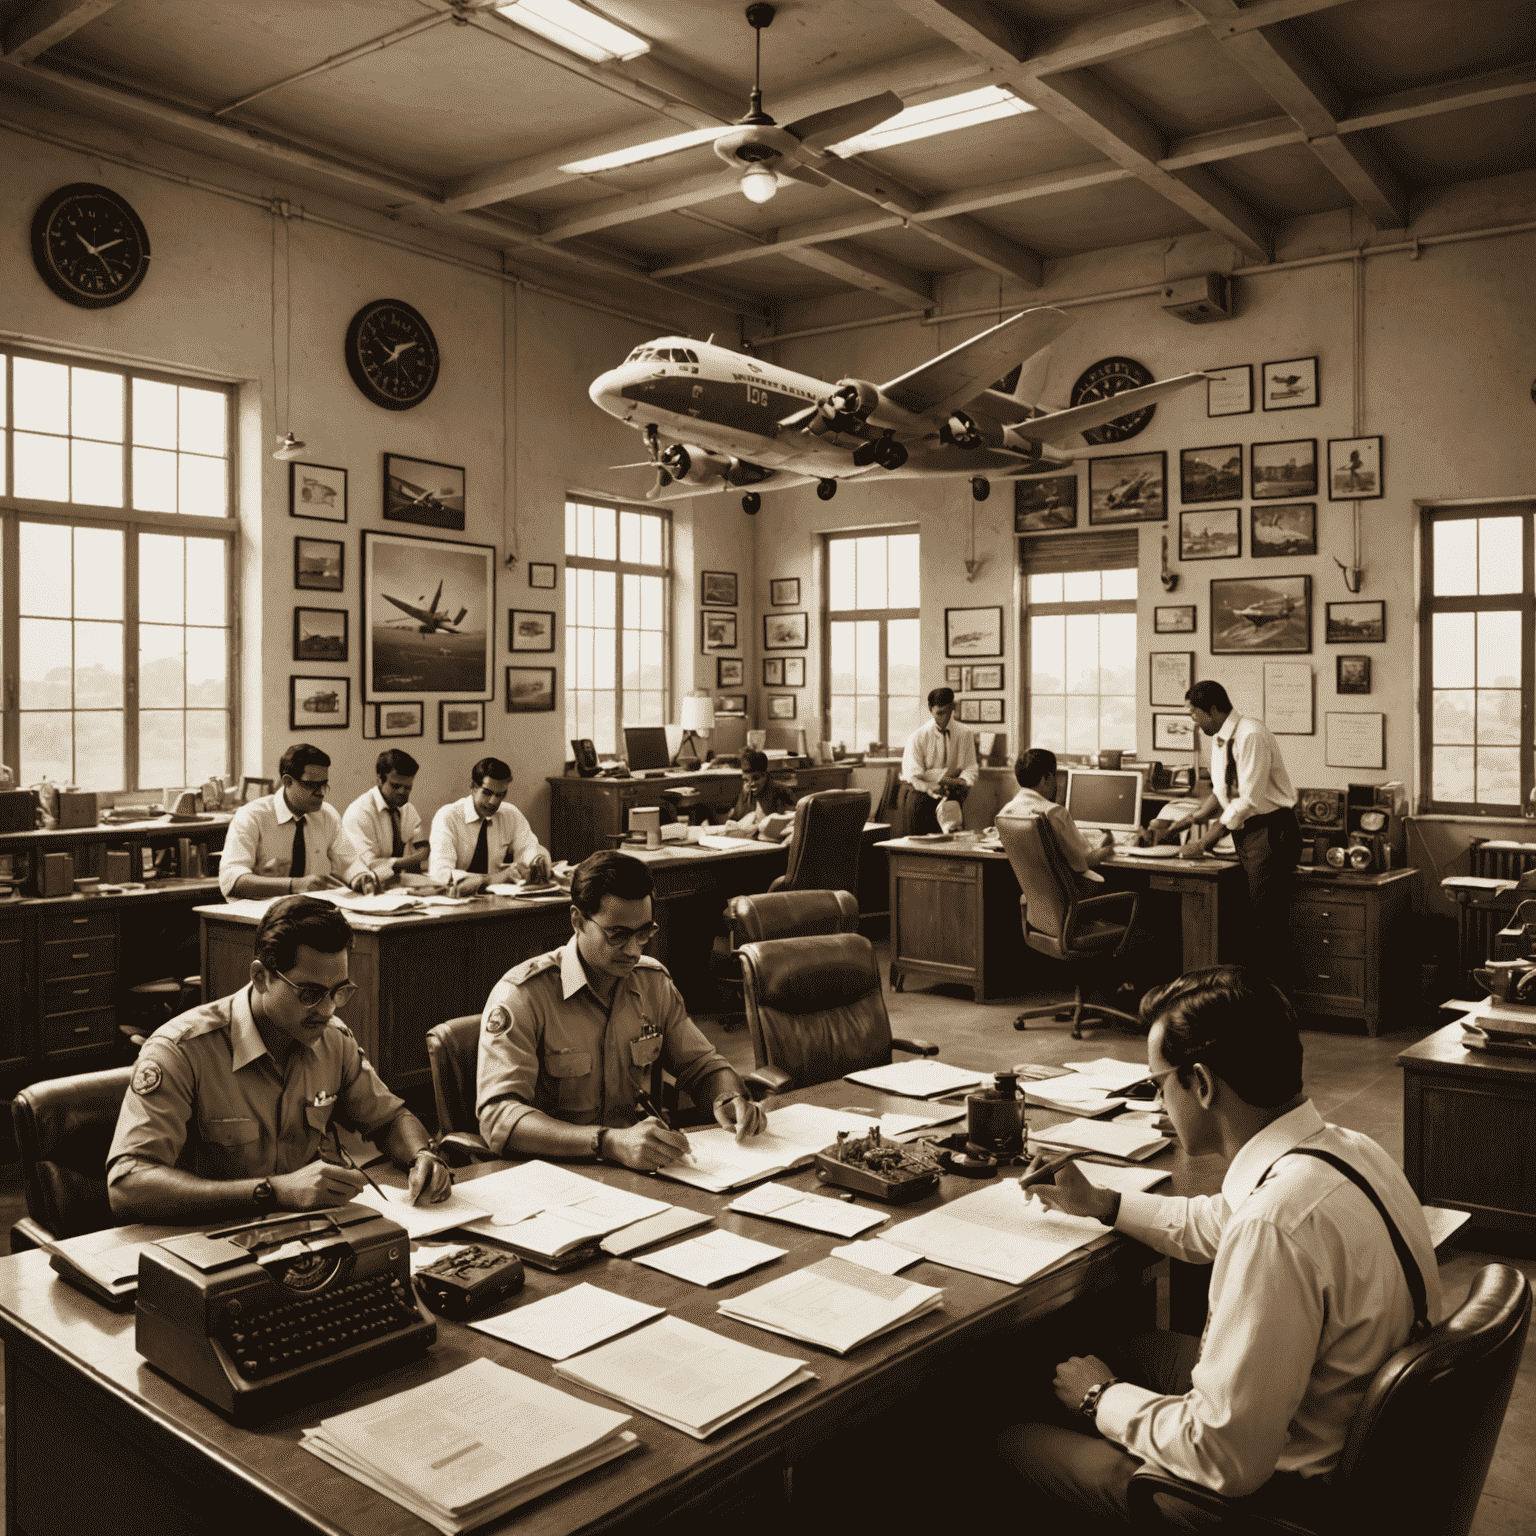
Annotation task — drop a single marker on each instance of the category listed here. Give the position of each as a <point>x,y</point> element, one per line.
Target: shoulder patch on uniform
<point>531,968</point>
<point>146,1078</point>
<point>498,1020</point>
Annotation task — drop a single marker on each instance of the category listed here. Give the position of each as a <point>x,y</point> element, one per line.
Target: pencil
<point>347,1161</point>
<point>1040,1175</point>
<point>646,1103</point>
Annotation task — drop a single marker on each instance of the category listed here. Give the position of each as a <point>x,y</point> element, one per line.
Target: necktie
<point>949,754</point>
<point>480,864</point>
<point>299,864</point>
<point>1231,769</point>
<point>397,843</point>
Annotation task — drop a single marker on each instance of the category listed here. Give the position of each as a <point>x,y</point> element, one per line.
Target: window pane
<point>98,573</point>
<point>604,534</point>
<point>46,664</point>
<point>203,413</point>
<point>1048,722</point>
<point>840,647</point>
<point>903,677</point>
<point>46,748</point>
<point>841,594</point>
<point>629,536</point>
<point>1498,650</point>
<point>651,552</point>
<point>96,406</point>
<point>1498,718</point>
<point>1453,717</point>
<point>870,582</point>
<point>570,528</point>
<point>45,557</point>
<point>1499,563</point>
<point>1498,775</point>
<point>650,615</point>
<point>42,466</point>
<point>208,668</point>
<point>583,658</point>
<point>904,571</point>
<point>1048,654</point>
<point>162,673</point>
<point>1451,769</point>
<point>42,396</point>
<point>162,747</point>
<point>1453,650</point>
<point>651,673</point>
<point>1081,587</point>
<point>154,414</point>
<point>207,582</point>
<point>583,529</point>
<point>207,744</point>
<point>99,749</point>
<point>905,715</point>
<point>154,480</point>
<point>1117,722</point>
<point>97,474</point>
<point>1120,586</point>
<point>603,589</point>
<point>867,652</point>
<point>160,578</point>
<point>1117,653</point>
<point>203,486</point>
<point>1082,653</point>
<point>98,666</point>
<point>1082,723</point>
<point>844,722</point>
<point>1046,588</point>
<point>1455,557</point>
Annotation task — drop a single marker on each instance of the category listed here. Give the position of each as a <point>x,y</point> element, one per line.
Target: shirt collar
<point>1274,1141</point>
<point>471,815</point>
<point>283,810</point>
<point>1228,728</point>
<point>245,1038</point>
<point>377,801</point>
<point>1032,796</point>
<point>573,974</point>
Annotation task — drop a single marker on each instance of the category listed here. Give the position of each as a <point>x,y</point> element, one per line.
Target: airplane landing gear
<point>981,488</point>
<point>826,489</point>
<point>750,503</point>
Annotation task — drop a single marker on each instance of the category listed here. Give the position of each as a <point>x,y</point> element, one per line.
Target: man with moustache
<point>233,1107</point>
<point>568,1040</point>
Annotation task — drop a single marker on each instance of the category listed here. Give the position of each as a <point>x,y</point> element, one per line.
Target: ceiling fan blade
<point>798,172</point>
<point>838,123</point>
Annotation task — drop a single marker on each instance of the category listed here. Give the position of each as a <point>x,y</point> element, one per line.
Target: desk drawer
<point>911,867</point>
<point>1321,943</point>
<point>79,957</point>
<point>1330,976</point>
<point>1328,914</point>
<point>78,1031</point>
<point>69,994</point>
<point>78,925</point>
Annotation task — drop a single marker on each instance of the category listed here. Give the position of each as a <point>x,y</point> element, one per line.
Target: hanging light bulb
<point>288,447</point>
<point>758,183</point>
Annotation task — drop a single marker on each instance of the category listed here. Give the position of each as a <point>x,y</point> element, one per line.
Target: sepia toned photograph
<point>731,704</point>
<point>973,631</point>
<point>541,575</point>
<point>719,588</point>
<point>530,630</point>
<point>773,671</point>
<point>399,719</point>
<point>1290,386</point>
<point>717,631</point>
<point>785,632</point>
<point>319,565</point>
<point>1261,615</point>
<point>460,722</point>
<point>319,703</point>
<point>1214,535</point>
<point>794,671</point>
<point>781,706</point>
<point>1353,674</point>
<point>1362,623</point>
<point>1044,503</point>
<point>987,678</point>
<point>730,672</point>
<point>1173,733</point>
<point>1211,474</point>
<point>530,690</point>
<point>420,491</point>
<point>1283,469</point>
<point>1178,619</point>
<point>968,711</point>
<point>1287,528</point>
<point>1229,391</point>
<point>1128,488</point>
<point>1354,468</point>
<point>320,634</point>
<point>784,591</point>
<point>318,491</point>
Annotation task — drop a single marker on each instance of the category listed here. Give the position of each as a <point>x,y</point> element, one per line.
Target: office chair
<point>1420,1443</point>
<point>881,785</point>
<point>1058,922</point>
<point>825,843</point>
<point>816,1011</point>
<point>64,1129</point>
<point>789,915</point>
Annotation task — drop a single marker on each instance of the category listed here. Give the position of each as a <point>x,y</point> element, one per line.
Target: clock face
<point>89,245</point>
<point>1105,379</point>
<point>392,354</point>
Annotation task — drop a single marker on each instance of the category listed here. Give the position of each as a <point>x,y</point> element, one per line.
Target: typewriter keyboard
<point>309,1328</point>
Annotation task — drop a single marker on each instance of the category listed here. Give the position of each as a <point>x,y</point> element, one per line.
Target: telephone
<point>585,754</point>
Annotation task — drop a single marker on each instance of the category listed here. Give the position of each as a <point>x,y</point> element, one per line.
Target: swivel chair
<point>1420,1443</point>
<point>825,843</point>
<point>816,1010</point>
<point>1081,930</point>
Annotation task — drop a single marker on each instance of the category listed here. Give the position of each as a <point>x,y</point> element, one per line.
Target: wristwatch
<point>1089,1407</point>
<point>597,1142</point>
<point>436,1156</point>
<point>264,1197</point>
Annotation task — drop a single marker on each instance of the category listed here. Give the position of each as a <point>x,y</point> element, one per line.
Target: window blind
<point>1079,552</point>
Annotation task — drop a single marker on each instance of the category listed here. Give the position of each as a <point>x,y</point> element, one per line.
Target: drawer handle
<point>1324,976</point>
<point>1327,914</point>
<point>82,1029</point>
<point>84,954</point>
<point>80,992</point>
<point>79,921</point>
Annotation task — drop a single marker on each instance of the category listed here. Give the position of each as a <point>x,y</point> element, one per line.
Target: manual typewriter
<point>279,1312</point>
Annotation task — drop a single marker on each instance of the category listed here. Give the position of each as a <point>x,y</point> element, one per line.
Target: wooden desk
<point>1469,1130</point>
<point>78,1396</point>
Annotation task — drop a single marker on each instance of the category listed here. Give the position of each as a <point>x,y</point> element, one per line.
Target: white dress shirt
<point>931,754</point>
<point>1307,1302</point>
<point>369,829</point>
<point>260,842</point>
<point>456,830</point>
<point>1073,845</point>
<point>1263,785</point>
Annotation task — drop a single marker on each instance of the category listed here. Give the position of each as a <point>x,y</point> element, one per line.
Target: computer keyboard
<point>1126,839</point>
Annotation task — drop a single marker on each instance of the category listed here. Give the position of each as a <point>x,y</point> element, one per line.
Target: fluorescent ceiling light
<point>934,117</point>
<point>582,31</point>
<point>638,152</point>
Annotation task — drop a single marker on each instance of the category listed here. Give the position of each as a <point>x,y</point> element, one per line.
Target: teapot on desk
<point>1510,981</point>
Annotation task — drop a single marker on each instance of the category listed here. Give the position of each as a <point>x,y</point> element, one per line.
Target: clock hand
<point>107,247</point>
<point>86,243</point>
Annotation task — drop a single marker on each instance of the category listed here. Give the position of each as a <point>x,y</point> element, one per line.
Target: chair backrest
<point>880,783</point>
<point>64,1128</point>
<point>814,1006</point>
<point>824,846</point>
<point>1045,878</point>
<point>789,914</point>
<point>1422,1439</point>
<point>452,1052</point>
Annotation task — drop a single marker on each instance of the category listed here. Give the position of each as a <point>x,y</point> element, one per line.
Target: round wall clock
<point>392,354</point>
<point>89,245</point>
<point>1111,376</point>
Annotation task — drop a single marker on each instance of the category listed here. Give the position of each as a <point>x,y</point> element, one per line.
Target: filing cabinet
<point>77,954</point>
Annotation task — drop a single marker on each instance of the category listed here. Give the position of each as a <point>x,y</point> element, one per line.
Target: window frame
<point>14,510</point>
<point>1522,602</point>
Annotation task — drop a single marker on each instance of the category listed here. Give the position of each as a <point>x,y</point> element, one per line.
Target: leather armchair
<point>64,1128</point>
<point>816,1010</point>
<point>825,843</point>
<point>1420,1443</point>
<point>789,914</point>
<point>453,1050</point>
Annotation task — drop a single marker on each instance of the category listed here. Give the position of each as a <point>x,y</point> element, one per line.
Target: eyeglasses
<point>312,786</point>
<point>1150,1087</point>
<point>617,938</point>
<point>312,994</point>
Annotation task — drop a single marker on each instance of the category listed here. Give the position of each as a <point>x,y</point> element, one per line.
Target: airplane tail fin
<point>436,598</point>
<point>458,618</point>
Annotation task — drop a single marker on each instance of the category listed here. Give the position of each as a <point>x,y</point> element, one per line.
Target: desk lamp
<point>698,717</point>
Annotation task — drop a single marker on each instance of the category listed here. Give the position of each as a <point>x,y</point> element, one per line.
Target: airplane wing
<point>777,480</point>
<point>962,373</point>
<point>1059,425</point>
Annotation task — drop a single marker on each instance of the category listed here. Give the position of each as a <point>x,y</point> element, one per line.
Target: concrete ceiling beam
<point>852,264</point>
<point>984,247</point>
<point>972,26</point>
<point>45,23</point>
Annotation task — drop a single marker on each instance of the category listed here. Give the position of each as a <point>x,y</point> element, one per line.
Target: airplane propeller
<point>666,464</point>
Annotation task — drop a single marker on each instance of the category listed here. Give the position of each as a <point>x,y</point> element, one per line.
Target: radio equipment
<point>1320,810</point>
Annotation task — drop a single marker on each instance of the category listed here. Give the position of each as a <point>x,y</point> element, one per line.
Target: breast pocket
<point>644,1050</point>
<point>230,1133</point>
<point>575,1081</point>
<point>319,1116</point>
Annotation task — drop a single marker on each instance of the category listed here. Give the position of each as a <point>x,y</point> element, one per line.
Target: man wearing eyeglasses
<point>568,1040</point>
<point>234,1107</point>
<point>292,842</point>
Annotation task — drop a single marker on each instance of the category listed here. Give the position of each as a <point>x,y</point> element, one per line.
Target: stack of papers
<point>686,1376</point>
<point>835,1304</point>
<point>470,1446</point>
<point>548,1211</point>
<point>1110,1073</point>
<point>421,1220</point>
<point>1116,1138</point>
<point>794,1136</point>
<point>877,1254</point>
<point>712,1258</point>
<point>546,890</point>
<point>920,1079</point>
<point>570,1322</point>
<point>817,1212</point>
<point>384,904</point>
<point>100,1263</point>
<point>998,1232</point>
<point>672,1222</point>
<point>1074,1094</point>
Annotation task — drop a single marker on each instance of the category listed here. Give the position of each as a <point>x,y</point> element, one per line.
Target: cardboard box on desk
<point>77,809</point>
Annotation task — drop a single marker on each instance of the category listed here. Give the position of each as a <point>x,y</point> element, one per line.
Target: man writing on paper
<point>938,763</point>
<point>760,798</point>
<point>291,842</point>
<point>473,838</point>
<point>1308,1296</point>
<point>1036,773</point>
<point>233,1106</point>
<point>383,825</point>
<point>568,1040</point>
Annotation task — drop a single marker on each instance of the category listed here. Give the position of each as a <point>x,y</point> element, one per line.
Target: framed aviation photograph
<point>1261,616</point>
<point>784,591</point>
<point>1352,674</point>
<point>1177,619</point>
<point>1363,623</point>
<point>781,706</point>
<point>1173,733</point>
<point>785,632</point>
<point>973,631</point>
<point>1211,474</point>
<point>731,704</point>
<point>1211,535</point>
<point>530,629</point>
<point>399,718</point>
<point>1280,470</point>
<point>421,491</point>
<point>460,722</point>
<point>541,575</point>
<point>318,491</point>
<point>1354,469</point>
<point>719,589</point>
<point>1290,386</point>
<point>319,703</point>
<point>1128,488</point>
<point>1047,502</point>
<point>1286,528</point>
<point>717,631</point>
<point>320,634</point>
<point>428,609</point>
<point>1229,391</point>
<point>530,690</point>
<point>319,565</point>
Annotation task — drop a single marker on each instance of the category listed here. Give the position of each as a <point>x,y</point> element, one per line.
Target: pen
<point>646,1103</point>
<point>1040,1175</point>
<point>347,1162</point>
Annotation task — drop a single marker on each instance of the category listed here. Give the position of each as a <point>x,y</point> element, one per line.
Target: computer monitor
<point>1101,798</point>
<point>646,747</point>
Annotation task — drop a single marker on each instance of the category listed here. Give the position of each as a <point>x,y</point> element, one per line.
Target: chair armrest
<point>27,1233</point>
<point>914,1047</point>
<point>464,1147</point>
<point>1113,899</point>
<point>1233,1514</point>
<point>763,1082</point>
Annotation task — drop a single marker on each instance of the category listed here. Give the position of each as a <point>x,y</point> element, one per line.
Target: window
<point>1080,612</point>
<point>874,685</point>
<point>1475,709</point>
<point>617,635</point>
<point>116,544</point>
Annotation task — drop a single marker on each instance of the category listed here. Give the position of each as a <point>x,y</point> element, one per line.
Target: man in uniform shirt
<point>568,1041</point>
<point>1253,793</point>
<point>938,763</point>
<point>472,838</point>
<point>233,1107</point>
<point>383,825</point>
<point>292,841</point>
<point>1036,773</point>
<point>759,799</point>
<point>1307,1296</point>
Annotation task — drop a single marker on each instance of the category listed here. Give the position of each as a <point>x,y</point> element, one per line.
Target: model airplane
<point>734,422</point>
<point>426,617</point>
<point>1270,611</point>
